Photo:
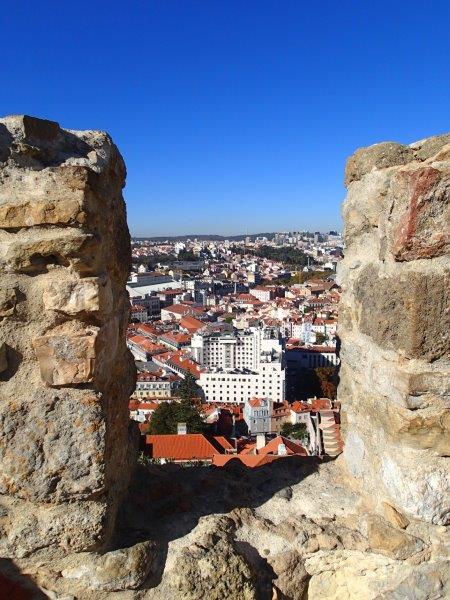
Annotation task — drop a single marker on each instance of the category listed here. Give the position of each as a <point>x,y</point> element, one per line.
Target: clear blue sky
<point>231,115</point>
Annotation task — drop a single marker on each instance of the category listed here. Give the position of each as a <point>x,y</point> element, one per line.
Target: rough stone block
<point>391,541</point>
<point>66,359</point>
<point>53,448</point>
<point>430,147</point>
<point>36,131</point>
<point>123,569</point>
<point>394,517</point>
<point>55,196</point>
<point>42,250</point>
<point>89,294</point>
<point>409,313</point>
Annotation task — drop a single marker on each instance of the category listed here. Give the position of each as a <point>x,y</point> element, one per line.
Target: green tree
<point>296,432</point>
<point>320,337</point>
<point>166,417</point>
<point>188,388</point>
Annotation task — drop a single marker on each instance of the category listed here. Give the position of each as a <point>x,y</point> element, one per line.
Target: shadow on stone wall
<point>14,585</point>
<point>166,502</point>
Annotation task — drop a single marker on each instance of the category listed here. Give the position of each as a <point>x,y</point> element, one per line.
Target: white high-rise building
<point>240,364</point>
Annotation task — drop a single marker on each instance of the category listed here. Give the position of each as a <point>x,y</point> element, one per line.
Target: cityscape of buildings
<point>253,323</point>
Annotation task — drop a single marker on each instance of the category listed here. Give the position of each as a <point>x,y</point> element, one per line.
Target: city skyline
<point>230,115</point>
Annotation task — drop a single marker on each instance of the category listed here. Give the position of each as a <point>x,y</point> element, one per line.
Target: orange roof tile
<point>255,402</point>
<point>145,343</point>
<point>191,446</point>
<point>191,323</point>
<point>291,447</point>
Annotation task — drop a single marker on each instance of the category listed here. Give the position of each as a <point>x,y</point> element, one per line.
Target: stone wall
<point>66,374</point>
<point>395,325</point>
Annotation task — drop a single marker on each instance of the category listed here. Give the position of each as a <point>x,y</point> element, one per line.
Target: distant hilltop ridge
<point>208,237</point>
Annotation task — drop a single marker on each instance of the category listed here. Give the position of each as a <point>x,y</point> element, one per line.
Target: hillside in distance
<point>202,237</point>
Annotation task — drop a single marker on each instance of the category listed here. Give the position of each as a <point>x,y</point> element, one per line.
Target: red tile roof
<point>147,329</point>
<point>255,402</point>
<point>191,446</point>
<point>220,439</point>
<point>191,324</point>
<point>137,405</point>
<point>178,338</point>
<point>315,405</point>
<point>145,344</point>
<point>183,362</point>
<point>291,447</point>
<point>248,299</point>
<point>271,448</point>
<point>178,309</point>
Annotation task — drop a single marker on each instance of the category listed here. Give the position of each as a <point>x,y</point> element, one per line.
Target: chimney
<point>260,441</point>
<point>181,429</point>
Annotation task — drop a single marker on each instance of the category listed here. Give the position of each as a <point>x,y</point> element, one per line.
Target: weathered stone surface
<point>66,359</point>
<point>65,453</point>
<point>430,147</point>
<point>409,313</point>
<point>211,568</point>
<point>391,541</point>
<point>292,578</point>
<point>89,294</point>
<point>122,569</point>
<point>349,575</point>
<point>394,517</point>
<point>394,326</point>
<point>57,528</point>
<point>8,300</point>
<point>378,156</point>
<point>53,447</point>
<point>59,195</point>
<point>426,582</point>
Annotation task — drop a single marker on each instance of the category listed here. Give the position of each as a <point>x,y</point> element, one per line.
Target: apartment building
<point>156,385</point>
<point>240,364</point>
<point>148,302</point>
<point>263,294</point>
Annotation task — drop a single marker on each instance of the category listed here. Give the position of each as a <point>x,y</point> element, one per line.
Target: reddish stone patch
<point>412,240</point>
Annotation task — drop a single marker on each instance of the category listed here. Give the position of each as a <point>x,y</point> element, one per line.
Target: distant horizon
<point>234,235</point>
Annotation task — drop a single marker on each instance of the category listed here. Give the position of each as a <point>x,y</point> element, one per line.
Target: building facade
<point>240,364</point>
